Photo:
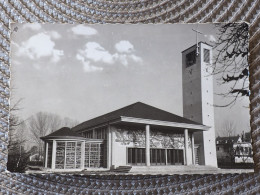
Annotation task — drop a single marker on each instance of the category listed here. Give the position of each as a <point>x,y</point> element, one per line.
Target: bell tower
<point>198,99</point>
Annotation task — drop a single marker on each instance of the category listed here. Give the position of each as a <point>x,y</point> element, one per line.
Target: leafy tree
<point>231,61</point>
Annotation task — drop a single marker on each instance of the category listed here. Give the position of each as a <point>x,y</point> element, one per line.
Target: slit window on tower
<point>206,55</point>
<point>191,58</point>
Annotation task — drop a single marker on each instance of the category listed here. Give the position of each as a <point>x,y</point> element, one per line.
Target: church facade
<point>136,135</point>
<point>142,135</point>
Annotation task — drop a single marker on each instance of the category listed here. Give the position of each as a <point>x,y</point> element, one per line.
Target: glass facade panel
<point>94,154</point>
<point>60,155</point>
<point>68,155</point>
<point>78,155</point>
<point>49,154</point>
<point>157,156</point>
<point>136,156</point>
<point>101,133</point>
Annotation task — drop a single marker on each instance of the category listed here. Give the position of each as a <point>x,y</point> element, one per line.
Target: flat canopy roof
<point>195,45</point>
<point>141,113</point>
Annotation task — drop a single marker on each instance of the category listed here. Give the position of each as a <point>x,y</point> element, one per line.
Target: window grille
<point>68,155</point>
<point>101,133</point>
<point>49,154</point>
<point>60,155</point>
<point>94,155</point>
<point>136,156</point>
<point>157,156</point>
<point>206,55</point>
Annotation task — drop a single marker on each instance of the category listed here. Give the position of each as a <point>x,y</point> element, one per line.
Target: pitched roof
<point>64,132</point>
<point>136,110</point>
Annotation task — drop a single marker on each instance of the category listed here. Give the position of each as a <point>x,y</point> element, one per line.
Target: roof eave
<point>196,127</point>
<point>61,137</point>
<point>112,121</point>
<point>165,123</point>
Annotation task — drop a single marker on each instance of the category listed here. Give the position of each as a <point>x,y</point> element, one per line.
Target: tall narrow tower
<point>198,98</point>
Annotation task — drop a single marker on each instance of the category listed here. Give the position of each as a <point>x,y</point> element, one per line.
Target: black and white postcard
<point>129,99</point>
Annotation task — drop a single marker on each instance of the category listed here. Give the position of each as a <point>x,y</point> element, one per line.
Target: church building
<point>143,135</point>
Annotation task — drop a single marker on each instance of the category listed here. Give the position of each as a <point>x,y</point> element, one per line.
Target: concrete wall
<point>198,102</point>
<point>119,147</point>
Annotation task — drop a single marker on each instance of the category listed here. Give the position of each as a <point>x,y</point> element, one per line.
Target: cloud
<point>93,56</point>
<point>40,45</point>
<point>83,30</point>
<point>136,58</point>
<point>56,55</point>
<point>95,52</point>
<point>90,68</point>
<point>32,26</point>
<point>54,35</point>
<point>124,47</point>
<point>124,58</point>
<point>87,67</point>
<point>211,38</point>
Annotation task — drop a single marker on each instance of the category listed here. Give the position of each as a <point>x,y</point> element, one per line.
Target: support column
<point>113,149</point>
<point>94,134</point>
<point>108,147</point>
<point>166,160</point>
<point>147,144</point>
<point>65,155</point>
<point>186,145</point>
<point>193,149</point>
<point>46,154</point>
<point>82,165</point>
<point>53,154</point>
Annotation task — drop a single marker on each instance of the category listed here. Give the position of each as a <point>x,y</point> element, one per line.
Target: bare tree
<point>40,125</point>
<point>17,156</point>
<point>228,128</point>
<point>44,123</point>
<point>68,122</point>
<point>231,61</point>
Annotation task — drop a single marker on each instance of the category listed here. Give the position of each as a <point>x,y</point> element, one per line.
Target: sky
<point>83,71</point>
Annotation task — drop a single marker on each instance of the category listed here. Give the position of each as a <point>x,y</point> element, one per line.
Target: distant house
<point>234,149</point>
<point>243,149</point>
<point>224,146</point>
